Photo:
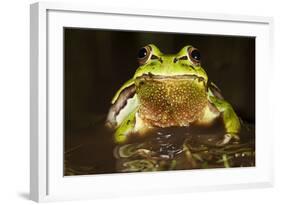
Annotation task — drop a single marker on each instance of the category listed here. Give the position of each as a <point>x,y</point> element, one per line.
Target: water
<point>92,151</point>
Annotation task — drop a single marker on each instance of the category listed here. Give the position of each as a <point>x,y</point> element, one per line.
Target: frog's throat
<point>171,101</point>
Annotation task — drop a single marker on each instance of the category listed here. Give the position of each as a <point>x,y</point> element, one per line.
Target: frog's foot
<point>227,138</point>
<point>120,137</point>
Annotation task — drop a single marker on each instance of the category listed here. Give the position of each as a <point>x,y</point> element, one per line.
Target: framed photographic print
<point>127,102</point>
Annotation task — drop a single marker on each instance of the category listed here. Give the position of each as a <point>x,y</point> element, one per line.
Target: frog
<point>169,90</point>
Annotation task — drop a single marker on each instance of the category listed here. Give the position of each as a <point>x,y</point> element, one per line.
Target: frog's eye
<point>194,55</point>
<point>144,55</point>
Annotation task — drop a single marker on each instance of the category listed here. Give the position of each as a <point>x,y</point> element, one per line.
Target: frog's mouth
<point>193,77</point>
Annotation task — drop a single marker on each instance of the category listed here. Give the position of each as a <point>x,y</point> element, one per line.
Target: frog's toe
<point>227,138</point>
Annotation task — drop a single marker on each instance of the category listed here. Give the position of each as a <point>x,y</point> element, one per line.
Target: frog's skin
<point>169,90</point>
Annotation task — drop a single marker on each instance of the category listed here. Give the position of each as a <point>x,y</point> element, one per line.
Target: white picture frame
<point>47,182</point>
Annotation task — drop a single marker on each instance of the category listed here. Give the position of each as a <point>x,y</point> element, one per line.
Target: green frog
<point>169,90</point>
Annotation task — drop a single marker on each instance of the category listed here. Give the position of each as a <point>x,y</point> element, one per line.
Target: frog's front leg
<point>230,119</point>
<point>131,124</point>
<point>125,128</point>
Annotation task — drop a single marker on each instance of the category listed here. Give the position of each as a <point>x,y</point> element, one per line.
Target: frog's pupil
<point>195,54</point>
<point>142,53</point>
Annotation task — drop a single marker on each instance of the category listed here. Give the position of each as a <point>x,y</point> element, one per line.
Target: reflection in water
<point>173,148</point>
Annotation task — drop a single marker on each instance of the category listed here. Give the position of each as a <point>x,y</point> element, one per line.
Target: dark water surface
<point>92,150</point>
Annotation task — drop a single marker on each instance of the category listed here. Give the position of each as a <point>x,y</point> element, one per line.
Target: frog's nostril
<point>176,60</point>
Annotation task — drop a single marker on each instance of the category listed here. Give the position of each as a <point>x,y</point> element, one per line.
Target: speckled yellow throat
<point>171,101</point>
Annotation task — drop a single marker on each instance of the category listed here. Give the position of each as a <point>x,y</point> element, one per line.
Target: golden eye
<point>144,54</point>
<point>194,55</point>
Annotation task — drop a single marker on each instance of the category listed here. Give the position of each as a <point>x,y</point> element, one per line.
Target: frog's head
<point>166,86</point>
<point>185,63</point>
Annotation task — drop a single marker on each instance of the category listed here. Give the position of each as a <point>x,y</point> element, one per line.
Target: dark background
<point>98,62</point>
